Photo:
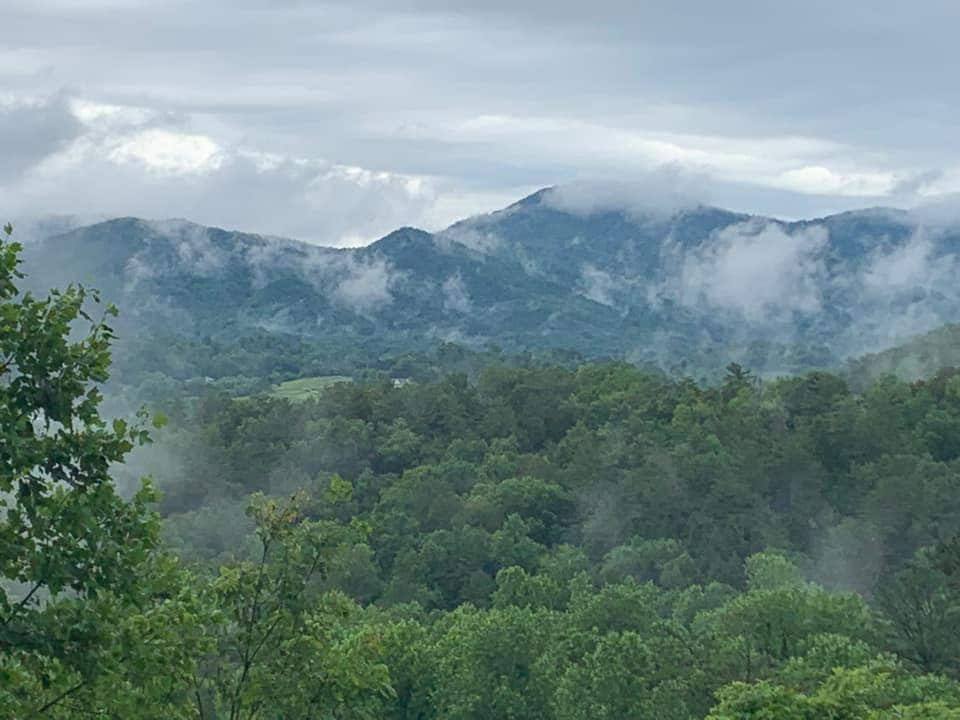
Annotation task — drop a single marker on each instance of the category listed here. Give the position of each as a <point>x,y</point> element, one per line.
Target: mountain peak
<point>403,237</point>
<point>535,198</point>
<point>577,268</point>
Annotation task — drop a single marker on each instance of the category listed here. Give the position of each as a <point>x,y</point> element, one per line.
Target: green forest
<point>523,540</point>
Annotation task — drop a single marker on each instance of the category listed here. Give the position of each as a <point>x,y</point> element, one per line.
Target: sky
<point>336,122</point>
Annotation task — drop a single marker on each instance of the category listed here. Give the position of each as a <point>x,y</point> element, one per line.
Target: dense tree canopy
<point>533,541</point>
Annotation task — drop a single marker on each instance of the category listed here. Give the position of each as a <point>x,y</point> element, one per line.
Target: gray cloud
<point>157,173</point>
<point>31,131</point>
<point>942,212</point>
<point>475,101</point>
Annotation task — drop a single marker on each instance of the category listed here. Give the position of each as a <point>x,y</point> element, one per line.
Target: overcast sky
<point>337,122</point>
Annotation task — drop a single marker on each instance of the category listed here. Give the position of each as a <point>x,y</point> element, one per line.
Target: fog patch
<point>194,248</point>
<point>598,285</point>
<point>366,286</point>
<point>456,335</point>
<point>272,257</point>
<point>33,229</point>
<point>135,271</point>
<point>473,237</point>
<point>902,291</point>
<point>755,269</point>
<point>848,557</point>
<point>908,266</point>
<point>456,297</point>
<point>268,255</point>
<point>662,193</point>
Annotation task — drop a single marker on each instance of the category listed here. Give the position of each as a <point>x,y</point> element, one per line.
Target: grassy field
<point>307,388</point>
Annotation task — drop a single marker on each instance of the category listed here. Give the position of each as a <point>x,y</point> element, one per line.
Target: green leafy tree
<point>880,690</point>
<point>922,606</point>
<point>629,676</point>
<point>72,551</point>
<point>488,662</point>
<point>755,632</point>
<point>284,649</point>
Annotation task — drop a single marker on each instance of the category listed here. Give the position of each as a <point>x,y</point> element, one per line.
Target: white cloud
<point>199,255</point>
<point>590,146</point>
<point>946,182</point>
<point>819,180</point>
<point>793,162</point>
<point>472,236</point>
<point>903,267</point>
<point>663,191</point>
<point>484,98</point>
<point>755,269</point>
<point>79,156</point>
<point>599,285</point>
<point>940,211</point>
<point>102,116</point>
<point>366,285</point>
<point>170,152</point>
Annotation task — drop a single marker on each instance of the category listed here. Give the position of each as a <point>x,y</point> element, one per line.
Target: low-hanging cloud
<point>456,296</point>
<point>769,273</point>
<point>472,236</point>
<point>66,156</point>
<point>599,285</point>
<point>904,289</point>
<point>662,192</point>
<point>904,267</point>
<point>757,269</point>
<point>195,249</point>
<point>366,286</point>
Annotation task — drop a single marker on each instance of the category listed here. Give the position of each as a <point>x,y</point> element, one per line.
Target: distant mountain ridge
<point>558,269</point>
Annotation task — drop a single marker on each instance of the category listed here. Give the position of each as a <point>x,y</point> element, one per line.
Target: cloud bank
<point>338,121</point>
<point>108,161</point>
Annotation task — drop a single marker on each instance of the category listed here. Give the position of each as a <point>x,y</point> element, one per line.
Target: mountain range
<point>565,268</point>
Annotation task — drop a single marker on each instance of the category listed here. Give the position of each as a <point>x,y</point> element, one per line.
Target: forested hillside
<point>532,542</point>
<point>921,356</point>
<point>458,480</point>
<point>686,289</point>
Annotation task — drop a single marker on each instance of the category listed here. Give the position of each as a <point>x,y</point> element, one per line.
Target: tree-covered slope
<point>540,543</point>
<point>550,541</point>
<point>919,357</point>
<point>689,288</point>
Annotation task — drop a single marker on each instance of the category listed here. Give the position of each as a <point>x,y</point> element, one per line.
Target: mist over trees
<point>588,270</point>
<point>541,541</point>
